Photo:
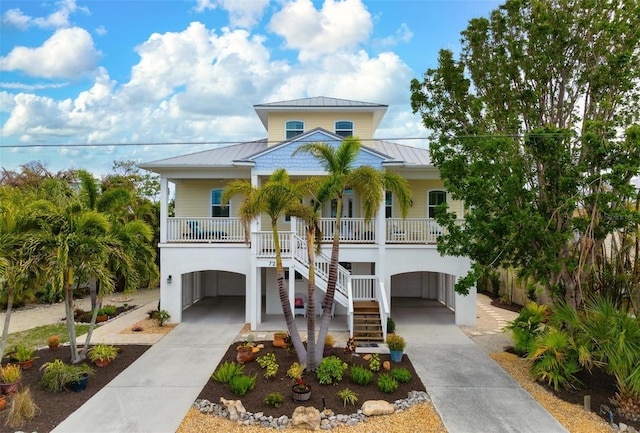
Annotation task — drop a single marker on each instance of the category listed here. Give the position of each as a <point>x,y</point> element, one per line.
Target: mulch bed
<point>321,395</point>
<point>55,407</point>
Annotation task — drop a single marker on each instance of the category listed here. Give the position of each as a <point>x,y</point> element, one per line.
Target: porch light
<point>169,279</point>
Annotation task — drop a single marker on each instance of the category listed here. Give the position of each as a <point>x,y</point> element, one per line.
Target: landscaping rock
<point>377,407</point>
<point>306,417</point>
<point>235,408</point>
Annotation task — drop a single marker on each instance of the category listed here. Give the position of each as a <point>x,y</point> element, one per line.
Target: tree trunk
<point>7,319</point>
<point>285,302</point>
<point>312,359</point>
<point>71,329</point>
<point>94,315</point>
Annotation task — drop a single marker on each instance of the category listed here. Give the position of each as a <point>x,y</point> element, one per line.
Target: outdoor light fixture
<point>169,279</point>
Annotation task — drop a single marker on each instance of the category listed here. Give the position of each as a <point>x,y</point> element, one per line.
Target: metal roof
<point>401,153</point>
<point>218,157</point>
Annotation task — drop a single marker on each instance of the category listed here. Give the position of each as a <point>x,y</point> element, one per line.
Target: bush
<point>527,326</point>
<point>330,370</point>
<point>240,384</point>
<point>227,371</point>
<point>374,362</point>
<point>386,383</point>
<point>396,342</point>
<point>21,409</point>
<point>274,399</point>
<point>295,371</point>
<point>555,359</point>
<point>102,352</point>
<point>57,374</point>
<point>162,317</point>
<point>391,325</point>
<point>268,362</point>
<point>360,375</point>
<point>348,396</point>
<point>401,374</point>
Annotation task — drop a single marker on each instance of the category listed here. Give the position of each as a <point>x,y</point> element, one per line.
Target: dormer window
<point>344,128</point>
<point>293,128</point>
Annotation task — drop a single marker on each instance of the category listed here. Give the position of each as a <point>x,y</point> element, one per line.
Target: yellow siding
<point>362,123</point>
<point>193,197</point>
<point>419,195</point>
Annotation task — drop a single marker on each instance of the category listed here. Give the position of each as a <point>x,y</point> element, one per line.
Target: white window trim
<point>211,203</point>
<point>353,126</point>
<point>446,198</point>
<point>287,129</point>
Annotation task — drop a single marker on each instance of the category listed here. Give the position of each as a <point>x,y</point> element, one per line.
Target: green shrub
<point>374,362</point>
<point>555,359</point>
<point>240,384</point>
<point>109,310</point>
<point>330,370</point>
<point>348,396</point>
<point>226,371</point>
<point>269,363</point>
<point>386,383</point>
<point>274,399</point>
<point>57,374</point>
<point>527,326</point>
<point>162,317</point>
<point>360,375</point>
<point>396,342</point>
<point>295,371</point>
<point>391,325</point>
<point>401,374</point>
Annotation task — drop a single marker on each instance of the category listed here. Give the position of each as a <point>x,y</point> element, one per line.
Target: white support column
<point>164,208</point>
<point>466,306</point>
<point>253,290</point>
<point>381,268</point>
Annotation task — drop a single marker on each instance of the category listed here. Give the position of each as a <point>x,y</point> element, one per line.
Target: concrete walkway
<point>470,391</point>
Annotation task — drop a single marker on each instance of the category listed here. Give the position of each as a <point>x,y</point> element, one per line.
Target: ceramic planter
<point>301,395</point>
<point>396,355</point>
<point>25,365</point>
<point>244,354</point>
<point>80,384</point>
<point>3,401</point>
<point>278,340</point>
<point>102,362</point>
<point>10,388</point>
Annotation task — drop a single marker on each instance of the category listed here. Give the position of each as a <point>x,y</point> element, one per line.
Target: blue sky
<point>140,72</point>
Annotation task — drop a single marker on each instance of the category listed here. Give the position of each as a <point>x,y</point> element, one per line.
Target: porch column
<point>466,314</point>
<point>164,208</point>
<point>253,299</point>
<point>381,237</point>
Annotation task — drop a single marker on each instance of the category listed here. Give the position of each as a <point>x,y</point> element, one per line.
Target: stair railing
<point>384,308</point>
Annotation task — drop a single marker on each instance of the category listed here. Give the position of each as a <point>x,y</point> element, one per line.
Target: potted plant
<point>301,391</point>
<point>54,342</point>
<point>245,353</point>
<point>24,356</point>
<point>58,376</point>
<point>102,315</point>
<point>279,339</point>
<point>329,341</point>
<point>10,378</point>
<point>396,346</point>
<point>3,401</point>
<point>102,354</point>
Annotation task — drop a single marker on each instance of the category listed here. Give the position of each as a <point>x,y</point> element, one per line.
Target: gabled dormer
<point>287,119</point>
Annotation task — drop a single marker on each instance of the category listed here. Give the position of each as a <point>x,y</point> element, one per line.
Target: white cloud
<point>6,102</point>
<point>243,14</point>
<point>101,30</point>
<point>57,19</point>
<point>69,53</point>
<point>402,35</point>
<point>32,87</point>
<point>338,26</point>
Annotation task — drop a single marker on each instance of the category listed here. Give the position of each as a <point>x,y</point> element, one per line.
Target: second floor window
<point>217,210</point>
<point>344,128</point>
<point>293,128</point>
<point>436,198</point>
<point>388,204</point>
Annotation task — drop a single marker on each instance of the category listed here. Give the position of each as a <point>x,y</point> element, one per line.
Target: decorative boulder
<point>377,407</point>
<point>306,417</point>
<point>234,407</point>
<point>386,365</point>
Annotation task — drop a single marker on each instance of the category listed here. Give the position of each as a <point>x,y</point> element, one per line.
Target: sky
<point>129,77</point>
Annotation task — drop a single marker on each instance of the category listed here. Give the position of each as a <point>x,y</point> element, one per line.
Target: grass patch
<point>37,337</point>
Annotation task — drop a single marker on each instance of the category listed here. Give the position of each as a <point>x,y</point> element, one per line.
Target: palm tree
<point>71,245</point>
<point>276,198</point>
<point>368,182</point>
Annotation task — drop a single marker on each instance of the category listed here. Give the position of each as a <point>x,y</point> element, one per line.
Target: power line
<point>203,143</point>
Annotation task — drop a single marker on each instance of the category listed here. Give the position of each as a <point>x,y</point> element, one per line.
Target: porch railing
<point>352,230</point>
<point>413,230</point>
<point>266,247</point>
<point>210,230</point>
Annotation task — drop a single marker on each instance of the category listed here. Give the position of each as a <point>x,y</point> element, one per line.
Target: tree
<point>276,198</point>
<point>368,182</point>
<point>527,131</point>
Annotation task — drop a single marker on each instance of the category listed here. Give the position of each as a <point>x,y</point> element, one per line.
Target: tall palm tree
<point>72,245</point>
<point>276,198</point>
<point>368,182</point>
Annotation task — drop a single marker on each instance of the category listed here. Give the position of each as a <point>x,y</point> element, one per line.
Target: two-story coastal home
<point>203,250</point>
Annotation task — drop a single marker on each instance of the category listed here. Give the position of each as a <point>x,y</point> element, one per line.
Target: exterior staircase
<point>367,328</point>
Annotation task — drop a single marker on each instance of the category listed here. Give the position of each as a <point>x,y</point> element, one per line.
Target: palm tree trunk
<point>332,280</point>
<point>71,330</point>
<point>284,301</point>
<point>94,315</point>
<point>7,319</point>
<point>312,359</point>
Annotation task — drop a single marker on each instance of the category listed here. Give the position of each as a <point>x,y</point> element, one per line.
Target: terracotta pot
<point>54,347</point>
<point>244,354</point>
<point>102,362</point>
<point>300,395</point>
<point>10,388</point>
<point>328,350</point>
<point>3,401</point>
<point>102,318</point>
<point>278,341</point>
<point>25,365</point>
